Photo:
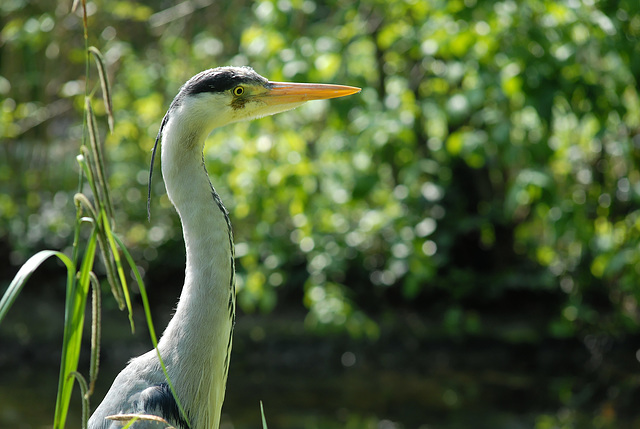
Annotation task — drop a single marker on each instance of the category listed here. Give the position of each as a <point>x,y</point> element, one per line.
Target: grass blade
<point>118,262</point>
<point>103,198</point>
<point>107,260</point>
<point>264,420</point>
<point>130,419</point>
<point>25,272</point>
<point>96,309</point>
<point>74,323</point>
<point>91,174</point>
<point>82,200</point>
<point>85,398</point>
<point>104,83</point>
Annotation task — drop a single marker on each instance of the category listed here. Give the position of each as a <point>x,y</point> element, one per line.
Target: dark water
<point>352,397</point>
<point>403,380</point>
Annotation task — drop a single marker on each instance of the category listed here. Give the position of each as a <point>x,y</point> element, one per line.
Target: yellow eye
<point>238,91</point>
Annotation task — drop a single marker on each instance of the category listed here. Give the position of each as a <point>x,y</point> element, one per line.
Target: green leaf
<point>264,420</point>
<point>25,272</point>
<point>74,322</point>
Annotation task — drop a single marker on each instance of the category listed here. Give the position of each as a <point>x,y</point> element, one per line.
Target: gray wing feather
<point>139,389</point>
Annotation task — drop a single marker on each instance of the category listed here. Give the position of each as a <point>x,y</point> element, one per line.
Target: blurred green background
<point>456,246</point>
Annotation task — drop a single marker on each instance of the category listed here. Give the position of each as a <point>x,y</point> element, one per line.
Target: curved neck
<point>197,341</point>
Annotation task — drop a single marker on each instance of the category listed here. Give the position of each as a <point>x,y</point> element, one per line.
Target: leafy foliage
<point>493,150</point>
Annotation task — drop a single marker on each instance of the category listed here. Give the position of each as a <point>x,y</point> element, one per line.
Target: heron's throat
<point>205,223</point>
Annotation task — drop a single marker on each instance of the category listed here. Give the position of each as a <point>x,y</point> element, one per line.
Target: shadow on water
<point>310,381</point>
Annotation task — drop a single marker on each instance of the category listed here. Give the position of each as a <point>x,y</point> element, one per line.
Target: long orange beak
<point>285,92</point>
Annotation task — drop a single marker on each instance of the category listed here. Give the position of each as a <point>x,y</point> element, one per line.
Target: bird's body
<point>196,344</point>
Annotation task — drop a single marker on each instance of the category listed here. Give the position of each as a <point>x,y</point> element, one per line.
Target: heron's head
<point>223,95</point>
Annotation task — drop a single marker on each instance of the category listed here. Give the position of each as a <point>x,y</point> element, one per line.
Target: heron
<point>196,344</point>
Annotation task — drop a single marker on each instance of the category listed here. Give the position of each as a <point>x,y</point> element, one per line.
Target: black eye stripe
<point>214,83</point>
<point>221,79</point>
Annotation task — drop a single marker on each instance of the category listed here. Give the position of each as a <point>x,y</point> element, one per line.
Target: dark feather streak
<point>158,399</point>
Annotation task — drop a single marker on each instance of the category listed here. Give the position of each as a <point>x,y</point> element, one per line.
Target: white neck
<point>197,341</point>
